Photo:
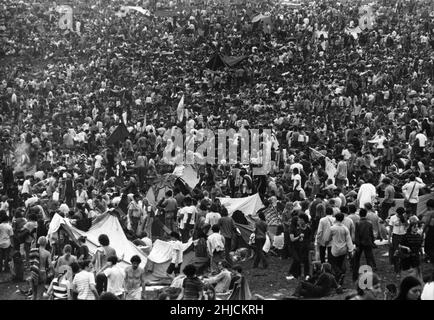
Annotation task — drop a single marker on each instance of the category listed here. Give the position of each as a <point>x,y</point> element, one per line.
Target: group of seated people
<point>225,283</point>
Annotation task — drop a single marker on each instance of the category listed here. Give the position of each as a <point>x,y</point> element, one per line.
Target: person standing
<point>374,219</point>
<point>228,231</point>
<point>300,238</point>
<point>398,226</point>
<point>115,277</point>
<point>341,245</point>
<point>367,194</point>
<point>84,282</point>
<point>100,260</point>
<point>388,201</point>
<point>170,207</point>
<point>341,173</point>
<point>177,254</point>
<point>216,247</point>
<point>135,282</point>
<point>6,241</point>
<point>212,217</point>
<point>187,217</point>
<point>134,213</point>
<point>364,241</point>
<point>324,226</point>
<point>411,193</point>
<point>411,249</point>
<point>260,232</point>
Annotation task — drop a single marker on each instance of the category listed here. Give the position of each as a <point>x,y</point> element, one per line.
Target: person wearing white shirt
<point>216,247</point>
<point>367,194</point>
<point>27,186</point>
<point>411,192</point>
<point>115,277</point>
<point>98,165</point>
<point>212,217</point>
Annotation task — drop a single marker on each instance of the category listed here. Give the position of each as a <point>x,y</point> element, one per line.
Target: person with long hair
<point>321,287</point>
<point>409,289</point>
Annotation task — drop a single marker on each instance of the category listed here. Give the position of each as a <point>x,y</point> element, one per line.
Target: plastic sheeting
<point>248,205</point>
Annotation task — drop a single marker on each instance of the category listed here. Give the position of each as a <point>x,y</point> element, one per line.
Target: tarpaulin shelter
<point>160,257</point>
<point>119,135</point>
<point>219,61</point>
<point>103,224</point>
<point>248,205</point>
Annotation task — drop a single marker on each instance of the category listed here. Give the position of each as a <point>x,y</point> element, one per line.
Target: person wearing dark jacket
<point>228,231</point>
<point>364,241</point>
<point>260,237</point>
<point>322,287</point>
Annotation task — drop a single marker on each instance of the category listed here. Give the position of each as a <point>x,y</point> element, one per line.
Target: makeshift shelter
<point>248,205</point>
<point>103,224</point>
<point>163,184</point>
<point>119,135</point>
<point>160,258</point>
<point>219,61</point>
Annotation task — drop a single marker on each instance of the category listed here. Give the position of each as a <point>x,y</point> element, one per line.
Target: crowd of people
<point>350,112</point>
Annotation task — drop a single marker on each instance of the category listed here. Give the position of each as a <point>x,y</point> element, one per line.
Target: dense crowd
<point>86,115</point>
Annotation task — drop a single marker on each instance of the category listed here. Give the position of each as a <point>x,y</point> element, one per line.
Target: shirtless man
<point>135,280</point>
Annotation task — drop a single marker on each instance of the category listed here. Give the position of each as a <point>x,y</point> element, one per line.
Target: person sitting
<point>192,286</point>
<point>322,286</point>
<point>222,280</point>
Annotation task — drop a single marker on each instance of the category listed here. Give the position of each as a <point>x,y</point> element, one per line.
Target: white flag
<point>180,109</point>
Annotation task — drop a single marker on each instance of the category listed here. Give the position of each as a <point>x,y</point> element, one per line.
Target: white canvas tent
<point>160,257</point>
<point>106,224</point>
<point>248,205</point>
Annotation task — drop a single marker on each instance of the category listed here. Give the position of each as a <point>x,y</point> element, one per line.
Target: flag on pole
<point>315,155</point>
<point>180,109</point>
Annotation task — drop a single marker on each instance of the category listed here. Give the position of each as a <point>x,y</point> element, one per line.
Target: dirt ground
<point>270,283</point>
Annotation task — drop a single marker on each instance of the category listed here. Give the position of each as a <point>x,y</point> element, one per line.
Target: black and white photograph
<point>216,151</point>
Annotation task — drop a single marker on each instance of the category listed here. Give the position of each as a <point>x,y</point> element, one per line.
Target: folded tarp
<point>248,205</point>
